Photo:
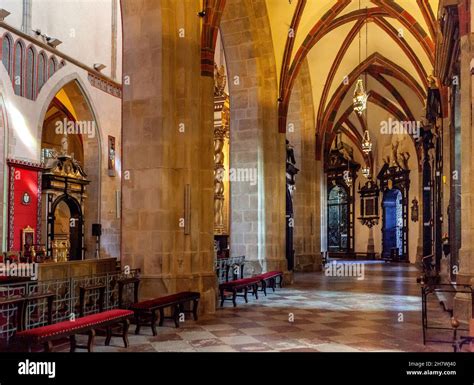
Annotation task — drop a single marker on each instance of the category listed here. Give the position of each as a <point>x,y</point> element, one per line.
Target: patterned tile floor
<point>317,313</point>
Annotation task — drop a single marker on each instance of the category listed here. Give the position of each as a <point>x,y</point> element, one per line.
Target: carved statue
<point>432,81</point>
<point>395,153</point>
<point>64,145</point>
<point>404,156</point>
<point>290,153</point>
<point>399,154</point>
<point>220,80</point>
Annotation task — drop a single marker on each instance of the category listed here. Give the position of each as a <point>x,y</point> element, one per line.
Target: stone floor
<point>317,313</point>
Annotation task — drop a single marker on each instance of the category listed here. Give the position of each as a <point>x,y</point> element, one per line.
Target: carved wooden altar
<point>64,181</point>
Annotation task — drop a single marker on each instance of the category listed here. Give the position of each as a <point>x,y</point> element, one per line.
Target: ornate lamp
<point>366,142</point>
<point>359,100</point>
<point>366,172</point>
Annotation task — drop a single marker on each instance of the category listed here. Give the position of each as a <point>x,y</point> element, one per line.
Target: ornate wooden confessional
<point>341,169</point>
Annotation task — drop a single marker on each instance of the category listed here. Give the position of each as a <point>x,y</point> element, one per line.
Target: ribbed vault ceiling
<point>396,54</point>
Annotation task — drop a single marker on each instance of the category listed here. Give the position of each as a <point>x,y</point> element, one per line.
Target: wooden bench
<point>270,278</point>
<point>237,286</point>
<point>147,310</point>
<point>45,335</point>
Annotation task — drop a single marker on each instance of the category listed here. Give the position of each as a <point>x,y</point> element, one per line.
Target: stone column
<point>462,308</point>
<point>167,150</point>
<point>257,149</point>
<point>300,133</point>
<point>370,241</point>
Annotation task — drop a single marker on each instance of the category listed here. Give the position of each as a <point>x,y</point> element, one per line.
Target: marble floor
<point>381,312</point>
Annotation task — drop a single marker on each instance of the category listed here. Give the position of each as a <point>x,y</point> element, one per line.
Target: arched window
<point>7,53</point>
<point>18,69</point>
<point>41,70</point>
<point>30,73</point>
<point>52,66</point>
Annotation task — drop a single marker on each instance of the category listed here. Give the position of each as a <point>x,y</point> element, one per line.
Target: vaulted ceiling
<point>391,42</point>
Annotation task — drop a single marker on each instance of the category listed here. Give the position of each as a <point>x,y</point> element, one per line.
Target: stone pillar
<point>167,149</point>
<point>300,133</point>
<point>370,241</point>
<point>462,308</point>
<point>257,149</point>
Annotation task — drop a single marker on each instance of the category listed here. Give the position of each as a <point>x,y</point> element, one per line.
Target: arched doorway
<point>65,227</point>
<point>70,144</point>
<point>392,230</point>
<point>338,219</point>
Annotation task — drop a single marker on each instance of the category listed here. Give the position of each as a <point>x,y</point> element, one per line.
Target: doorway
<point>338,220</point>
<point>392,231</point>
<point>67,226</point>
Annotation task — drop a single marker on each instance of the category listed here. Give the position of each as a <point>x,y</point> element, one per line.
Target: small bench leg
<point>222,297</point>
<point>108,336</point>
<point>255,290</point>
<point>234,297</point>
<point>264,287</point>
<point>126,324</point>
<point>176,313</point>
<point>245,294</point>
<point>195,308</point>
<point>137,321</point>
<point>162,317</point>
<point>73,343</point>
<point>48,347</point>
<point>154,318</point>
<point>273,284</point>
<point>90,340</point>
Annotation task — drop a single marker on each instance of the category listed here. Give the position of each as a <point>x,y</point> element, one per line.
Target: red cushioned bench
<point>237,286</point>
<point>269,279</point>
<point>147,310</point>
<point>45,335</point>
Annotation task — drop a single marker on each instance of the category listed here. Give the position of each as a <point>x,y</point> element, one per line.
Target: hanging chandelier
<point>347,175</point>
<point>348,180</point>
<point>366,172</point>
<point>366,142</point>
<point>360,98</point>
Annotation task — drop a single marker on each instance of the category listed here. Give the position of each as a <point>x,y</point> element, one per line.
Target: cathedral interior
<point>236,175</point>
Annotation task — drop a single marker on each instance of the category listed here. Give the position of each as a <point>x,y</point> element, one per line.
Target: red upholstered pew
<point>146,312</point>
<point>45,335</point>
<point>89,324</point>
<point>237,286</point>
<point>270,278</point>
<point>231,290</point>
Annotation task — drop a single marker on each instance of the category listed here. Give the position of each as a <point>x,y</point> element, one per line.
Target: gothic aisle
<point>316,314</point>
<point>236,176</point>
